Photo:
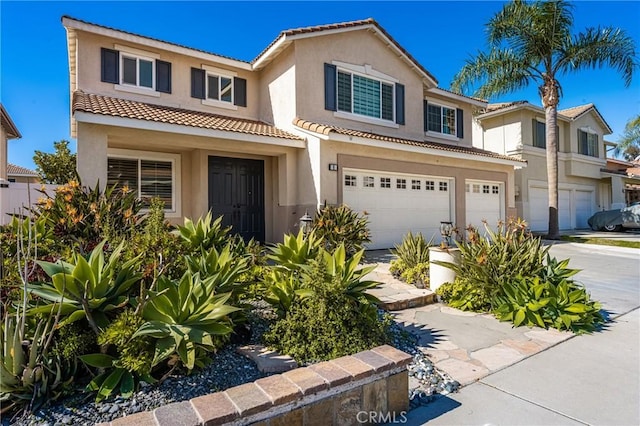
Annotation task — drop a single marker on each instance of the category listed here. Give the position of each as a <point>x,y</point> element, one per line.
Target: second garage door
<point>539,209</point>
<point>398,203</point>
<point>484,201</point>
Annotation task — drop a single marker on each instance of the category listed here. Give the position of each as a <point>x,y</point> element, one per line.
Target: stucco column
<point>617,193</point>
<point>92,155</point>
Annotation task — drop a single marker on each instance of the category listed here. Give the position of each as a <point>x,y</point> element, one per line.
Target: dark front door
<point>236,192</point>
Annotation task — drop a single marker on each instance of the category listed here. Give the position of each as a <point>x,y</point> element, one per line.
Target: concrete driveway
<point>589,379</point>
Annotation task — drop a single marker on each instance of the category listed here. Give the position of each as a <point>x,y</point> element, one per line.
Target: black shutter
<point>110,65</point>
<point>240,91</point>
<point>459,123</point>
<point>534,135</point>
<point>426,115</point>
<point>197,83</point>
<point>399,103</point>
<point>163,76</point>
<point>330,87</point>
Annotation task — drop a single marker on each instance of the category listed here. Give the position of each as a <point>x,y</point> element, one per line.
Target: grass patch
<point>602,241</point>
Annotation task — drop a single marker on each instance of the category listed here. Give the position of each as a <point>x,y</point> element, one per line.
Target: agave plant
<point>283,290</point>
<point>205,234</point>
<point>29,374</point>
<point>186,317</point>
<point>87,288</point>
<point>296,251</point>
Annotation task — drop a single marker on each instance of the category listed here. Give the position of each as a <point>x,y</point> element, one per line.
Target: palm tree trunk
<point>551,120</point>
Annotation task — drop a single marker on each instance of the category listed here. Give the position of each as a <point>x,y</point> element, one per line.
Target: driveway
<point>588,379</point>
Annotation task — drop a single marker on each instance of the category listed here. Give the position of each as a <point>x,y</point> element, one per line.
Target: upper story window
<point>218,87</point>
<point>134,70</point>
<point>137,71</point>
<point>587,143</point>
<point>359,92</point>
<point>443,119</point>
<point>539,134</point>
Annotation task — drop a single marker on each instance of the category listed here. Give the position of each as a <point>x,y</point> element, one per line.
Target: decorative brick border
<point>330,392</point>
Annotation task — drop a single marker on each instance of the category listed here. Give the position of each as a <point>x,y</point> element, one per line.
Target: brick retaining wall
<point>331,392</point>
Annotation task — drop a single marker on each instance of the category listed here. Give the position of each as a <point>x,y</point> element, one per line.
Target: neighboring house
<point>8,130</point>
<point>329,114</point>
<point>625,181</point>
<point>517,129</point>
<point>21,174</point>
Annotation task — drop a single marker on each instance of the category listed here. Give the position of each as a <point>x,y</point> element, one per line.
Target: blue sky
<point>34,83</point>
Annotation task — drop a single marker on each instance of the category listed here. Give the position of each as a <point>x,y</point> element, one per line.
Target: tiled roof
<point>346,25</point>
<point>153,39</point>
<point>12,169</point>
<point>576,111</point>
<point>115,107</point>
<point>502,105</point>
<point>326,130</point>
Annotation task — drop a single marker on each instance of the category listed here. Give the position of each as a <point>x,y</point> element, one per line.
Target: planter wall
<point>439,274</point>
<point>361,388</point>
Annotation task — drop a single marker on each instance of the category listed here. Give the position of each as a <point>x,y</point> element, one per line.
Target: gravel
<point>227,369</point>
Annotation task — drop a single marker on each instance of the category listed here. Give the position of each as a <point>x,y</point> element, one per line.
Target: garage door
<point>584,202</point>
<point>539,209</point>
<point>484,201</point>
<point>398,203</point>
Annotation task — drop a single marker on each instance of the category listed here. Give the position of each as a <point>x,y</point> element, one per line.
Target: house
<point>8,130</point>
<point>332,114</point>
<point>517,129</point>
<point>21,174</point>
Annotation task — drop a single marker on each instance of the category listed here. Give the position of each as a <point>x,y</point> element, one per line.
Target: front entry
<point>236,192</point>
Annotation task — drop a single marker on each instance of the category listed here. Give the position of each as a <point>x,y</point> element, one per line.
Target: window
<point>443,186</point>
<point>467,187</point>
<point>137,71</point>
<point>587,143</point>
<point>220,88</point>
<point>349,180</point>
<point>495,189</point>
<point>476,188</point>
<point>148,178</point>
<point>539,134</point>
<point>365,96</point>
<point>441,119</point>
<point>485,189</point>
<point>415,184</point>
<point>401,183</point>
<point>430,185</point>
<point>369,182</point>
<point>385,182</point>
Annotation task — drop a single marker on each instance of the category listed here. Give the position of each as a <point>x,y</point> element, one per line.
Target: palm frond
<point>497,72</point>
<point>597,47</point>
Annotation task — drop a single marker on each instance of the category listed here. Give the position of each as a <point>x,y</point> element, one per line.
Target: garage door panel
<point>484,201</point>
<point>581,200</point>
<point>584,205</point>
<point>393,211</point>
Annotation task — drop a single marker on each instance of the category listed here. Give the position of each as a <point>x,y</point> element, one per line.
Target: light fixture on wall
<point>305,223</point>
<point>333,167</point>
<point>446,230</point>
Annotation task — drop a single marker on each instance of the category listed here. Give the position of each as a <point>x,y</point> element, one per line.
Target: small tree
<point>57,168</point>
<point>629,143</point>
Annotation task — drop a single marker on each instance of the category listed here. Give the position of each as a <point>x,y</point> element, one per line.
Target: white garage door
<point>398,203</point>
<point>584,203</point>
<point>484,203</point>
<point>539,209</point>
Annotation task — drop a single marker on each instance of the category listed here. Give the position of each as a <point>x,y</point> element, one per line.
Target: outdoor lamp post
<point>305,223</point>
<point>446,229</point>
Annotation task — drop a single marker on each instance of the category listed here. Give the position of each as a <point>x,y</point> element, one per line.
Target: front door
<point>236,192</point>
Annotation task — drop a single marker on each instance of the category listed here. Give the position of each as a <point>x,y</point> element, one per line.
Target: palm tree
<point>531,42</point>
<point>629,143</point>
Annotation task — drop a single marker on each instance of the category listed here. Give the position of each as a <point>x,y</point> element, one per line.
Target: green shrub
<point>533,302</point>
<point>465,295</point>
<point>489,261</point>
<point>411,263</point>
<point>337,225</point>
<point>134,353</point>
<point>73,340</point>
<point>418,275</point>
<point>205,234</point>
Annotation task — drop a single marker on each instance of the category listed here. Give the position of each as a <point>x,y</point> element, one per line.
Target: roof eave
<point>68,22</point>
<point>455,96</point>
<point>10,127</point>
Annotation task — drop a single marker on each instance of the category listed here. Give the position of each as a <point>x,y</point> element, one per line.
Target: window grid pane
<point>225,89</point>
<point>344,92</point>
<point>415,184</point>
<point>129,71</point>
<point>156,181</point>
<point>448,121</point>
<point>385,182</point>
<point>443,186</point>
<point>401,183</point>
<point>429,185</point>
<point>212,88</point>
<point>366,96</point>
<point>495,189</point>
<point>146,73</point>
<point>369,182</point>
<point>349,180</point>
<point>434,113</point>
